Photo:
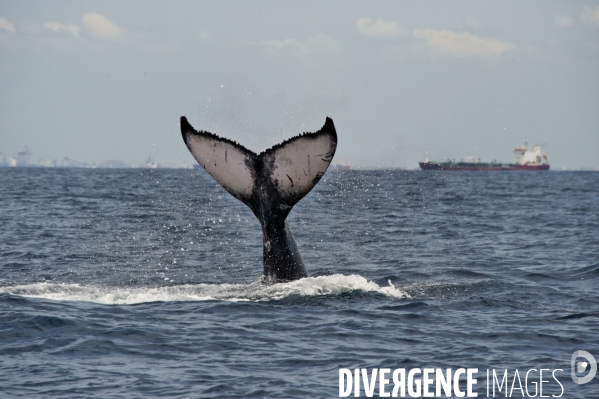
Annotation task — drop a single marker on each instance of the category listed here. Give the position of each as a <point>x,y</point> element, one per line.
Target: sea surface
<point>147,283</point>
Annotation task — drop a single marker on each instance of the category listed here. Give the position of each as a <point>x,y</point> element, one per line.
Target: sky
<point>109,80</point>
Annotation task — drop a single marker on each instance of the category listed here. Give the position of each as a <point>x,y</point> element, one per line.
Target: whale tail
<point>269,183</point>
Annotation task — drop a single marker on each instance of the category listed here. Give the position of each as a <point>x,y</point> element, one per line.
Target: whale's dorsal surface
<point>269,183</point>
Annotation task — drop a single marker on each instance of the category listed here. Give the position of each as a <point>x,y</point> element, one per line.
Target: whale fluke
<point>269,183</point>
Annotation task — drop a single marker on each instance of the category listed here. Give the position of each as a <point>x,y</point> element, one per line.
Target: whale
<point>269,183</point>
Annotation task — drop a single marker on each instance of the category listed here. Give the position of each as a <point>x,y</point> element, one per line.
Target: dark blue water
<point>146,283</point>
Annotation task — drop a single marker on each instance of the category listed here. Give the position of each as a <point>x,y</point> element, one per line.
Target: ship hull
<point>479,166</point>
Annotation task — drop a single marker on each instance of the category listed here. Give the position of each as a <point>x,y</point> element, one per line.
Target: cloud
<point>101,27</point>
<point>55,26</point>
<point>378,28</point>
<point>318,44</point>
<point>462,45</point>
<point>563,21</point>
<point>7,26</point>
<point>590,15</point>
<point>293,46</point>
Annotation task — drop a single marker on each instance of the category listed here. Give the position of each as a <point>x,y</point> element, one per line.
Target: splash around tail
<point>269,183</point>
<point>336,285</point>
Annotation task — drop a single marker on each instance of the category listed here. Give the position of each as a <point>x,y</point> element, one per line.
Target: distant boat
<point>343,165</point>
<point>524,159</point>
<point>150,163</point>
<point>23,157</point>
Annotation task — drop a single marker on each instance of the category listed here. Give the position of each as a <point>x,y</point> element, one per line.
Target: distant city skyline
<point>106,80</point>
<point>25,158</point>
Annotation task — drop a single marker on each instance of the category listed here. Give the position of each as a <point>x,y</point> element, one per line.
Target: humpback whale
<point>269,183</point>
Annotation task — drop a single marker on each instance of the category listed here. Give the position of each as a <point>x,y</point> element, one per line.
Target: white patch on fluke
<point>300,163</point>
<point>307,287</point>
<point>224,162</point>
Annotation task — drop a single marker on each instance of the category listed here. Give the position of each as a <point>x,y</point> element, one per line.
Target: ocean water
<point>147,283</point>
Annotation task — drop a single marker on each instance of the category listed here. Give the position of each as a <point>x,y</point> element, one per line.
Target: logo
<point>581,367</point>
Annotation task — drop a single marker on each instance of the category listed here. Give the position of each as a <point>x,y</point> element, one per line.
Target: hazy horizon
<point>97,81</point>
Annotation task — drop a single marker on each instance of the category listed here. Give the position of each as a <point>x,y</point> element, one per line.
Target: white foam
<point>307,287</point>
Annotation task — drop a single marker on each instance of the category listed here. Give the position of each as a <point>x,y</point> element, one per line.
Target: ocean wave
<point>336,284</point>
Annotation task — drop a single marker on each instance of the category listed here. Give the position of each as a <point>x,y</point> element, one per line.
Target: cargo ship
<point>524,159</point>
<point>343,165</point>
